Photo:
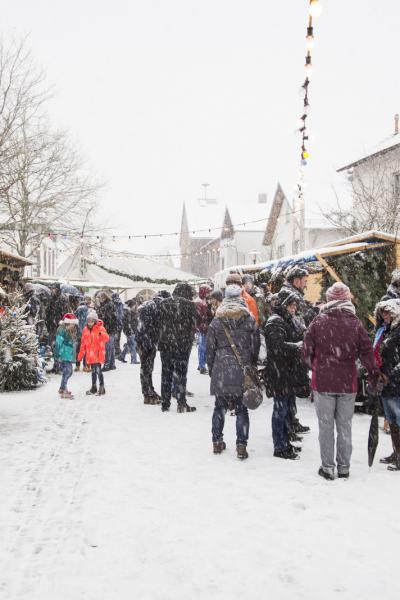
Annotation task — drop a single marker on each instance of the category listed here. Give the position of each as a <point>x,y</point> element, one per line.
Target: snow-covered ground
<point>104,498</point>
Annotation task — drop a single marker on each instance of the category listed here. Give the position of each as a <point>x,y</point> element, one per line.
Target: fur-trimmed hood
<point>391,306</point>
<point>232,308</point>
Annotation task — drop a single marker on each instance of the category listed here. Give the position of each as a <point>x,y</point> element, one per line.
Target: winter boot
<point>77,368</point>
<point>203,372</point>
<point>395,433</point>
<point>101,391</point>
<point>325,474</point>
<point>287,454</point>
<point>219,447</point>
<point>293,437</point>
<point>66,395</point>
<point>300,429</point>
<point>388,460</point>
<point>343,475</point>
<point>241,451</point>
<point>182,408</point>
<point>92,391</point>
<point>295,448</point>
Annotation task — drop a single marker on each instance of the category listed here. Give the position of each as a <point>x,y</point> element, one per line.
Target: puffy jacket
<point>93,344</point>
<point>226,373</point>
<point>390,355</point>
<point>65,348</point>
<point>332,344</point>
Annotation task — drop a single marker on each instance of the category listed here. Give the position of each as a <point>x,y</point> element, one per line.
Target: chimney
<point>396,124</point>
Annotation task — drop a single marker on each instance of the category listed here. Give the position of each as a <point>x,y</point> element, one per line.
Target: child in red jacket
<point>93,348</point>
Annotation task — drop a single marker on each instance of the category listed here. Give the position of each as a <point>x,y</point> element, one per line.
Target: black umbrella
<point>38,289</point>
<point>373,435</point>
<point>71,290</point>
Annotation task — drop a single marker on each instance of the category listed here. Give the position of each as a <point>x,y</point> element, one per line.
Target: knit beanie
<point>338,291</point>
<point>233,291</point>
<point>92,314</point>
<point>233,279</point>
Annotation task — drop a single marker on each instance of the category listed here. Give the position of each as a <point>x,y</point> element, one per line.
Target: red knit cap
<point>338,291</point>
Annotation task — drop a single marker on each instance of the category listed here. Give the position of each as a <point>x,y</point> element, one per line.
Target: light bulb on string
<point>315,9</point>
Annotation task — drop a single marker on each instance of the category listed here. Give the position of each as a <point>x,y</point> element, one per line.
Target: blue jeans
<point>282,407</point>
<point>66,372</point>
<point>110,353</point>
<point>97,373</point>
<point>391,406</point>
<point>129,346</point>
<point>174,366</point>
<point>222,403</point>
<point>202,350</point>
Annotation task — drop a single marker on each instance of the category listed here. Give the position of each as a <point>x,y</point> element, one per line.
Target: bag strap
<point>232,345</point>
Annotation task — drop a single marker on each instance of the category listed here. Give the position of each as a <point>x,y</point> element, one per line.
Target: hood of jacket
<point>391,306</point>
<point>232,308</point>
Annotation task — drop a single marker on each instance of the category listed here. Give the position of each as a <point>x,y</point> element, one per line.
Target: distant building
<point>43,262</point>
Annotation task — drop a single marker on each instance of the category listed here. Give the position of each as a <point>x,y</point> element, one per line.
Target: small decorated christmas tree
<point>19,358</point>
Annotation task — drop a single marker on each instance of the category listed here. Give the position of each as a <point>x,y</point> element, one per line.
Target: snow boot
<point>287,454</point>
<point>203,372</point>
<point>343,475</point>
<point>241,451</point>
<point>388,460</point>
<point>101,391</point>
<point>66,395</point>
<point>300,429</point>
<point>182,408</point>
<point>396,465</point>
<point>395,433</point>
<point>92,391</point>
<point>295,448</point>
<point>293,437</point>
<point>325,474</point>
<point>219,447</point>
<point>165,407</point>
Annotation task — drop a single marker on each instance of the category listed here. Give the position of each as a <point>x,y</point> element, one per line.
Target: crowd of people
<point>230,327</point>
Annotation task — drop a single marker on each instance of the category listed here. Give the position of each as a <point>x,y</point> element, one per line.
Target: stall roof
<point>14,260</point>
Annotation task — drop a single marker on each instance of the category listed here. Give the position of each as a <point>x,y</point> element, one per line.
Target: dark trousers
<point>281,421</point>
<point>129,346</point>
<point>292,419</point>
<point>97,373</point>
<point>222,404</point>
<point>110,353</point>
<point>174,366</point>
<point>146,370</point>
<point>117,343</point>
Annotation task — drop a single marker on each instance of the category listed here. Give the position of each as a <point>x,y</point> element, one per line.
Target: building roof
<point>387,145</point>
<point>14,260</point>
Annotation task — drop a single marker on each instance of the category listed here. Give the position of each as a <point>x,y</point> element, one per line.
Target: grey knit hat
<point>92,314</point>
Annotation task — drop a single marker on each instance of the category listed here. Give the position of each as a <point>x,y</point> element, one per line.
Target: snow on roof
<point>92,277</point>
<point>144,267</point>
<point>386,145</point>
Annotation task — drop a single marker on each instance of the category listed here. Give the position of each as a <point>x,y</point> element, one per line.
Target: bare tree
<point>373,197</point>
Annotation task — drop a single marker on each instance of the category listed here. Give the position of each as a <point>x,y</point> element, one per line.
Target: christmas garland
<point>138,278</point>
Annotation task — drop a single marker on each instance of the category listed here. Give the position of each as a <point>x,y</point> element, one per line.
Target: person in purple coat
<point>333,342</point>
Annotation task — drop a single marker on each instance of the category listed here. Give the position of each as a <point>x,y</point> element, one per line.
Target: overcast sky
<point>164,95</point>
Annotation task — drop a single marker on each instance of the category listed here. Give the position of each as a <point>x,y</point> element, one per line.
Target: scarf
<point>339,304</point>
<point>232,308</point>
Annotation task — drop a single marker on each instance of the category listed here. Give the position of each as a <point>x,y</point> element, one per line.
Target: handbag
<point>252,392</point>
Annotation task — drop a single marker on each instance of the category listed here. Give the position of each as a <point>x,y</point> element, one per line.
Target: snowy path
<point>105,498</point>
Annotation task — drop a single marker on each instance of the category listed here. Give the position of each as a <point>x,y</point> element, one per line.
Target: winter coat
<point>177,324</point>
<point>390,355</point>
<point>81,314</point>
<point>306,312</point>
<point>334,341</point>
<point>149,326</point>
<point>57,308</point>
<point>108,315</point>
<point>251,305</point>
<point>119,310</point>
<point>285,373</point>
<point>129,321</point>
<point>203,316</point>
<point>65,348</point>
<point>226,374</point>
<point>93,344</point>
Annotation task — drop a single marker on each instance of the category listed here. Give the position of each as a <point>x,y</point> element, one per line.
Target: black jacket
<point>177,324</point>
<point>390,354</point>
<point>108,315</point>
<point>57,308</point>
<point>226,373</point>
<point>129,321</point>
<point>149,324</point>
<point>284,373</point>
<point>306,312</point>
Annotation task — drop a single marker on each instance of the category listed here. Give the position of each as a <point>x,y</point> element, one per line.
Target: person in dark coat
<point>389,352</point>
<point>81,314</point>
<point>107,314</point>
<point>285,374</point>
<point>227,377</point>
<point>296,283</point>
<point>203,321</point>
<point>332,344</point>
<point>119,311</point>
<point>129,327</point>
<point>177,329</point>
<point>58,306</point>
<point>147,337</point>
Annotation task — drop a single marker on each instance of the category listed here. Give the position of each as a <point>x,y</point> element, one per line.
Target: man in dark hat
<point>177,329</point>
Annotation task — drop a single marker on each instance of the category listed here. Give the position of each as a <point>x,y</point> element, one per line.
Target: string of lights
<point>314,12</point>
<point>103,237</point>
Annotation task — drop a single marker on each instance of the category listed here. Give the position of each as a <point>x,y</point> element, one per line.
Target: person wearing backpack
<point>227,377</point>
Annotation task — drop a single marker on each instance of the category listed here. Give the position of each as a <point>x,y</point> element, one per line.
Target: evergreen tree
<point>19,357</point>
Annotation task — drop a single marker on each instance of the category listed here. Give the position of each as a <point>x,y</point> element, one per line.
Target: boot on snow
<point>92,391</point>
<point>101,391</point>
<point>288,454</point>
<point>241,451</point>
<point>219,447</point>
<point>388,460</point>
<point>182,408</point>
<point>395,433</point>
<point>325,474</point>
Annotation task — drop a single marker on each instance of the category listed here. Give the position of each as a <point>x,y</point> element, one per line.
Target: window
<point>281,251</point>
<point>396,185</point>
